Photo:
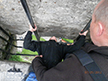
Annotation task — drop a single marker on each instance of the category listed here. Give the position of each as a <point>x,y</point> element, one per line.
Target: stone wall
<point>2,43</point>
<point>5,66</point>
<point>6,43</point>
<point>62,18</point>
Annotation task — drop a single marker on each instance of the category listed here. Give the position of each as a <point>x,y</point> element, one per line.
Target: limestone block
<point>62,18</point>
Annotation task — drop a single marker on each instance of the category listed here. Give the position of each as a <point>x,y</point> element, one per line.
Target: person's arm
<point>61,72</point>
<point>76,45</point>
<point>39,68</point>
<point>44,74</point>
<point>28,43</point>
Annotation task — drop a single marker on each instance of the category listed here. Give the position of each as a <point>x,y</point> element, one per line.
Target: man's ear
<point>100,29</point>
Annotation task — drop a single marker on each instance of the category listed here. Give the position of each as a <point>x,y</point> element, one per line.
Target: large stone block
<point>62,18</point>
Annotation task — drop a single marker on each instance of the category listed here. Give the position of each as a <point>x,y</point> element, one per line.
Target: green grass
<point>68,40</point>
<point>34,38</point>
<point>16,58</point>
<point>25,51</point>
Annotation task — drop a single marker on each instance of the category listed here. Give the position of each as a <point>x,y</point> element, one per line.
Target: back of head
<point>99,24</point>
<point>101,13</point>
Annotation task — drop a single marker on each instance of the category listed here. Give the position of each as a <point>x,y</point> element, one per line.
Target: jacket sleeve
<point>75,46</point>
<point>29,44</point>
<point>44,74</point>
<point>39,68</point>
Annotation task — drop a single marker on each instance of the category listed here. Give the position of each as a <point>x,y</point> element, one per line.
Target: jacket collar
<point>88,47</point>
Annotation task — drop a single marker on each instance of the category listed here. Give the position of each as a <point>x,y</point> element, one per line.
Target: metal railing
<point>10,44</point>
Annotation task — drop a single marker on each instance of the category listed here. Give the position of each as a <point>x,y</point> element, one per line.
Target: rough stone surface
<point>2,42</point>
<point>13,76</point>
<point>62,18</point>
<point>5,43</point>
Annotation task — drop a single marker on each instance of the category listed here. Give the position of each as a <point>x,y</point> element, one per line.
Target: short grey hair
<point>101,13</point>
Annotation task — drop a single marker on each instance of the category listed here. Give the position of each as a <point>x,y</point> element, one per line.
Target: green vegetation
<point>16,58</point>
<point>68,40</point>
<point>34,38</point>
<point>25,51</point>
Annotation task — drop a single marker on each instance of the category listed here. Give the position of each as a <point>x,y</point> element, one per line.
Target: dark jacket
<point>71,69</point>
<point>52,51</point>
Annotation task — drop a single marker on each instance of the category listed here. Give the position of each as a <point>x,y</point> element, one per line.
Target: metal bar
<point>85,28</point>
<point>10,36</point>
<point>10,43</point>
<point>18,40</point>
<point>23,54</point>
<point>26,8</point>
<point>5,32</point>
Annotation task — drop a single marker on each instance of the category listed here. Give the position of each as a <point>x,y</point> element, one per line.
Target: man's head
<point>99,24</point>
<point>53,38</point>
